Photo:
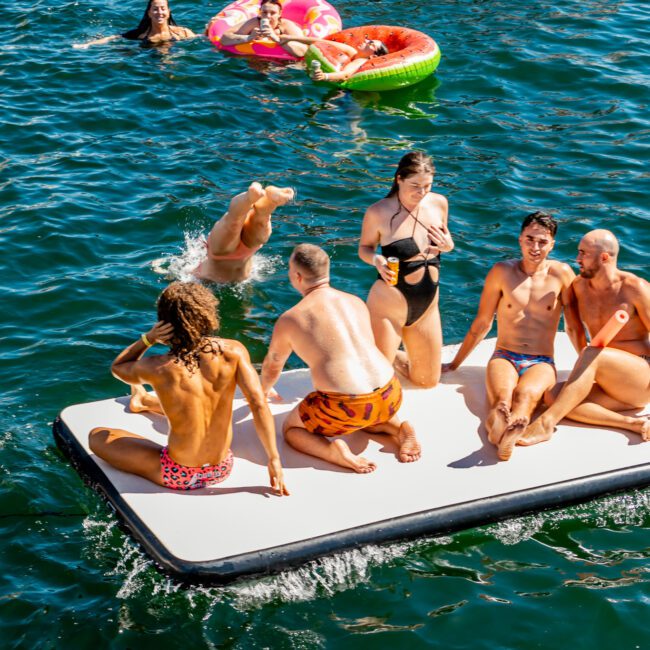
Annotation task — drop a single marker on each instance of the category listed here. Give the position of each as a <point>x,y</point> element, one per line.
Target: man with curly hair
<point>195,385</point>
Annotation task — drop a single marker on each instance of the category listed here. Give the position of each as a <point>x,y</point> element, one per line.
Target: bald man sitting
<point>604,381</point>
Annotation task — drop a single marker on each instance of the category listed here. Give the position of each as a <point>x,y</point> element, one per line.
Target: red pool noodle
<point>610,329</point>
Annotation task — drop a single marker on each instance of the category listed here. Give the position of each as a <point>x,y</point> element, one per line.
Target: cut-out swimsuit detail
<point>419,295</point>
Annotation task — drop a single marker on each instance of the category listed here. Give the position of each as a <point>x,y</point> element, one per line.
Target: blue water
<point>115,159</point>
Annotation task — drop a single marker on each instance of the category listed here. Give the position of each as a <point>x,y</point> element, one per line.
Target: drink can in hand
<point>265,23</point>
<point>393,265</point>
<point>315,65</point>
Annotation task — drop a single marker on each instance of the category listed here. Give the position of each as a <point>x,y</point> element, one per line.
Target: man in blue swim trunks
<point>527,296</point>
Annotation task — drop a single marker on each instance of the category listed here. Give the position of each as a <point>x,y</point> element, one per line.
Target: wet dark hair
<point>273,2</point>
<point>382,50</point>
<point>544,220</point>
<point>412,163</point>
<point>191,309</point>
<point>145,24</point>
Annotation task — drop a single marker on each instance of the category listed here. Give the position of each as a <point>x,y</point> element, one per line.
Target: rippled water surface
<point>114,160</point>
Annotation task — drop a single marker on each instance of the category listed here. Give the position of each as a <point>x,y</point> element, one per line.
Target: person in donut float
<point>156,26</point>
<point>410,224</point>
<point>269,24</point>
<point>370,48</point>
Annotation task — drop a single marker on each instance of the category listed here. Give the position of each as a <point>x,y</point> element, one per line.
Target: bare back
<point>597,304</point>
<point>529,309</point>
<point>330,331</point>
<point>198,404</point>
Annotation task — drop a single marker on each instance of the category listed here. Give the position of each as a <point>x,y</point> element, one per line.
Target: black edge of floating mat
<point>428,522</point>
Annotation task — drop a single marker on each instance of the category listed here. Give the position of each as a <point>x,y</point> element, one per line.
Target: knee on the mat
<point>97,438</point>
<point>289,434</point>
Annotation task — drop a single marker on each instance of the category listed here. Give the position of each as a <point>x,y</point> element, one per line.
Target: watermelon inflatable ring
<point>412,56</point>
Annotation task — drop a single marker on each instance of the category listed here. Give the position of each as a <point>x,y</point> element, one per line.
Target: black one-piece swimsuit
<point>419,295</point>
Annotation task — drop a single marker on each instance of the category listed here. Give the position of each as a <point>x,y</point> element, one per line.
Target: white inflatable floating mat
<point>215,535</point>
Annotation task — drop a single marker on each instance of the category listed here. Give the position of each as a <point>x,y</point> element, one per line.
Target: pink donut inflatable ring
<point>317,18</point>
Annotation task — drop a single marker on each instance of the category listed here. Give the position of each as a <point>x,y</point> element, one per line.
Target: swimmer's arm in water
<point>574,327</point>
<point>368,243</point>
<point>128,366</point>
<point>484,318</point>
<point>99,41</point>
<point>250,386</point>
<point>247,32</point>
<point>279,351</point>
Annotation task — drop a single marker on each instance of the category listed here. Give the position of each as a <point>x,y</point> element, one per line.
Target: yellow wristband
<point>145,340</point>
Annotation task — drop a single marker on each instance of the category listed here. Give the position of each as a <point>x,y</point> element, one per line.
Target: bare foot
<point>142,401</point>
<point>279,195</point>
<point>254,192</point>
<point>510,437</point>
<point>497,422</point>
<point>346,458</point>
<point>138,398</point>
<point>409,447</point>
<point>539,431</point>
<point>645,428</point>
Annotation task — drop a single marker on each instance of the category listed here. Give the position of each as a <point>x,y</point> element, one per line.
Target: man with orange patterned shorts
<point>355,385</point>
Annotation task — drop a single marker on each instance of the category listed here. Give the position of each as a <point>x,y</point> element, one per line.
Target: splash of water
<point>626,509</point>
<point>322,577</point>
<point>338,572</point>
<point>181,266</point>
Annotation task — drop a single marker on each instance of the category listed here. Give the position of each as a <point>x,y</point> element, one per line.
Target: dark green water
<point>117,156</point>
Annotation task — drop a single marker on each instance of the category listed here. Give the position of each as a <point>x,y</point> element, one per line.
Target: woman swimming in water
<point>411,225</point>
<point>269,24</point>
<point>157,26</point>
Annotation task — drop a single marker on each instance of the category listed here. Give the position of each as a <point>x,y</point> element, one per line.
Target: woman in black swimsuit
<point>157,26</point>
<point>410,224</point>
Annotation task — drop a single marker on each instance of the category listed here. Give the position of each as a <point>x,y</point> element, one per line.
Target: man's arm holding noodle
<point>249,383</point>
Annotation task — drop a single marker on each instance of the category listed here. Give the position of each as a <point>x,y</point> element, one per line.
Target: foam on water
<point>319,578</point>
<point>326,576</point>
<point>626,509</point>
<point>181,266</point>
